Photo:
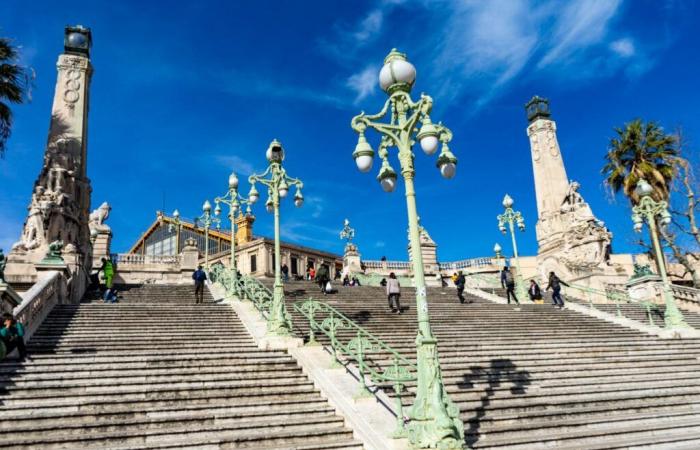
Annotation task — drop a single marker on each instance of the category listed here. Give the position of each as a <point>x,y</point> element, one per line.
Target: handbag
<point>329,287</point>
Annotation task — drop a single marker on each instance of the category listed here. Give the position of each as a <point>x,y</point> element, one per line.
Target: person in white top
<point>393,292</point>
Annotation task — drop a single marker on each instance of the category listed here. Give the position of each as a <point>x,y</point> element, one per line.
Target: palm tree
<point>15,87</point>
<point>641,150</point>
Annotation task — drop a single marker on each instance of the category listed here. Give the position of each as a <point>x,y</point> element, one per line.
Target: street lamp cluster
<point>652,211</point>
<point>435,421</point>
<point>234,201</point>
<point>277,181</point>
<point>207,221</point>
<point>512,218</point>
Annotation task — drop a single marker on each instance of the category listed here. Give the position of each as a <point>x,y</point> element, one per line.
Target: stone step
<point>270,363</point>
<point>15,420</point>
<point>214,401</point>
<point>232,435</point>
<point>15,392</point>
<point>65,384</point>
<point>147,371</point>
<point>591,436</point>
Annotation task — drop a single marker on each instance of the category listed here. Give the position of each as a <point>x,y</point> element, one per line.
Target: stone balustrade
<point>131,268</point>
<point>136,259</point>
<point>40,299</point>
<point>467,264</point>
<point>687,298</point>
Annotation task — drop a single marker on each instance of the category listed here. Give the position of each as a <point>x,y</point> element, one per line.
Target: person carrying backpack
<point>555,284</point>
<point>508,282</point>
<point>460,281</point>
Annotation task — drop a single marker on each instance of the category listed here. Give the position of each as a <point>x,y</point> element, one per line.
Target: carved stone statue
<point>53,255</point>
<point>100,215</point>
<point>641,270</point>
<point>573,197</point>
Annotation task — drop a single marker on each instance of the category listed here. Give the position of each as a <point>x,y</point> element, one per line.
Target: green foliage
<point>641,150</point>
<point>15,87</point>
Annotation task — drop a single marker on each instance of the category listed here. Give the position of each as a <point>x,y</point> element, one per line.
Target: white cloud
<point>316,204</point>
<point>363,83</point>
<point>488,41</point>
<point>235,163</point>
<point>581,24</point>
<point>369,27</point>
<point>623,47</point>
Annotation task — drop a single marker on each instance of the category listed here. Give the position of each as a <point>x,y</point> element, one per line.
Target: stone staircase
<point>538,377</point>
<point>156,371</point>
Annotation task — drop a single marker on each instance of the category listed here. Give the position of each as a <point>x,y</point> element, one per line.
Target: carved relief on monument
<point>585,239</point>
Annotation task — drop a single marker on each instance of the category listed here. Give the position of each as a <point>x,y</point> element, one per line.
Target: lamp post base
<point>673,318</point>
<point>435,421</point>
<point>279,323</point>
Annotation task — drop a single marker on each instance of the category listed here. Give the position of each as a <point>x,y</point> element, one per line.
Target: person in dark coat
<point>199,276</point>
<point>460,282</point>
<point>322,277</point>
<point>555,285</point>
<point>508,282</point>
<point>534,291</point>
<point>12,335</point>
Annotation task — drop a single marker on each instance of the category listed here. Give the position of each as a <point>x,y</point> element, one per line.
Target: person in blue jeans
<point>555,284</point>
<point>110,296</point>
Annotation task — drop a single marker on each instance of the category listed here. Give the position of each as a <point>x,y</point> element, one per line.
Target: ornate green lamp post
<point>512,218</point>
<point>435,421</point>
<point>648,209</point>
<point>207,220</point>
<point>278,184</point>
<point>234,201</point>
<point>176,226</point>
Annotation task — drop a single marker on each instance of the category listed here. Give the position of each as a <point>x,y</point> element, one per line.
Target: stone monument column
<point>571,240</point>
<point>551,183</point>
<point>60,202</point>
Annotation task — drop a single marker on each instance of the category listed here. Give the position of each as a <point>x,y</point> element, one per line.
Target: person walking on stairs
<point>555,285</point>
<point>199,276</point>
<point>285,273</point>
<point>108,271</point>
<point>460,281</point>
<point>12,335</point>
<point>508,282</point>
<point>322,277</point>
<point>393,292</point>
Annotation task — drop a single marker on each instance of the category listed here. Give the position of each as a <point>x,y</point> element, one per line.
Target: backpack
<point>509,277</point>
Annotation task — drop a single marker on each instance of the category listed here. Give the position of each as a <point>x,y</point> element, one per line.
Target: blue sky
<point>184,92</point>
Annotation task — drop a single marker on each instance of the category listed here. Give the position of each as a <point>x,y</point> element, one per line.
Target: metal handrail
<point>257,293</point>
<point>400,372</point>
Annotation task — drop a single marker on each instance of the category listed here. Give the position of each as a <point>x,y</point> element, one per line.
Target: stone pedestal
<point>101,247</point>
<point>189,259</point>
<point>351,259</point>
<point>642,288</point>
